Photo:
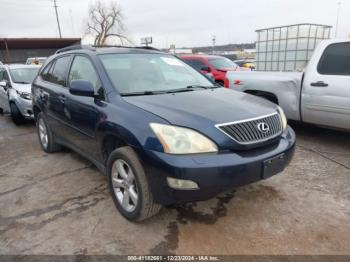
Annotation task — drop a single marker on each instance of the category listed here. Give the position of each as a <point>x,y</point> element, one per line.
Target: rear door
<point>326,92</point>
<point>85,113</point>
<point>54,91</point>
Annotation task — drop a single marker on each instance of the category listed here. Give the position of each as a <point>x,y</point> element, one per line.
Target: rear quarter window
<point>335,60</point>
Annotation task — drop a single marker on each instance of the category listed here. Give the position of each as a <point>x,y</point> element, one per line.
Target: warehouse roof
<point>35,43</point>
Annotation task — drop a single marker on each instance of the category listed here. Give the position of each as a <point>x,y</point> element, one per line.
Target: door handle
<point>319,84</point>
<point>62,98</point>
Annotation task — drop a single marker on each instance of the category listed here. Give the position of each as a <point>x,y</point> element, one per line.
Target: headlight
<point>25,95</point>
<point>179,140</point>
<point>283,118</point>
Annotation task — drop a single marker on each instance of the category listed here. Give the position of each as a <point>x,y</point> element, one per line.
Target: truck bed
<point>286,86</point>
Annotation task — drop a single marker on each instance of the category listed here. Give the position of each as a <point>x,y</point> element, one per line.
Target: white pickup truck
<point>320,95</point>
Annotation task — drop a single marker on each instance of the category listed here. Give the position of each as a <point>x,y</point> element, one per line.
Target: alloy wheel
<point>124,185</point>
<point>44,139</point>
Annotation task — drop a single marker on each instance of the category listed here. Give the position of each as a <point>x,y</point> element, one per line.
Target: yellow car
<point>245,64</point>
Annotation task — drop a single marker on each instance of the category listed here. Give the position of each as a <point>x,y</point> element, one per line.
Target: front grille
<point>253,130</point>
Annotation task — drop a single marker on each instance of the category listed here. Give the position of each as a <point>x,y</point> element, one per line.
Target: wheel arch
<point>267,95</point>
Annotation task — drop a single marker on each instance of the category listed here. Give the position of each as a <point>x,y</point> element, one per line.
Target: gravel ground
<point>59,204</point>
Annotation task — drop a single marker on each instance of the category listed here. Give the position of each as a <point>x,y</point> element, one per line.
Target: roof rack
<point>121,46</point>
<point>93,48</point>
<point>74,47</point>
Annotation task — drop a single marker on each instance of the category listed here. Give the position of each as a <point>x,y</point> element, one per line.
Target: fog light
<point>182,184</point>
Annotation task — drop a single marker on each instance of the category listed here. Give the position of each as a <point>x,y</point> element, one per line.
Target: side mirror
<point>205,69</point>
<point>81,88</point>
<point>4,84</point>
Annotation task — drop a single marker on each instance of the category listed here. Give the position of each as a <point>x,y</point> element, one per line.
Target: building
<point>17,50</point>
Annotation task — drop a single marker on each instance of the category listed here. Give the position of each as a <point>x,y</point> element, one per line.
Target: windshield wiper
<point>145,93</point>
<point>199,86</point>
<point>21,82</point>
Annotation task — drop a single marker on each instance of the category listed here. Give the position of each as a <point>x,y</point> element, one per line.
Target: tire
<point>48,144</point>
<point>135,181</point>
<point>16,115</point>
<point>1,111</point>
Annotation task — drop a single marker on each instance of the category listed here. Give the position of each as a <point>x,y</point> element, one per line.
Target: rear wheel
<point>16,115</point>
<point>129,186</point>
<point>46,137</point>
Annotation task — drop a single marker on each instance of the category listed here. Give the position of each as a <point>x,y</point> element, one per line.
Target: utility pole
<point>337,23</point>
<point>58,21</point>
<point>214,40</point>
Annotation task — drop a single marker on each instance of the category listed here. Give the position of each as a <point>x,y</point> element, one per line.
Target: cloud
<point>180,22</point>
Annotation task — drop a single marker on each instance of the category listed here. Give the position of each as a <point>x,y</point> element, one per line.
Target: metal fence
<point>288,48</point>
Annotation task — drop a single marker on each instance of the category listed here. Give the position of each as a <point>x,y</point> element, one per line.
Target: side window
<point>45,74</point>
<point>5,76</point>
<point>58,73</point>
<point>335,60</point>
<point>197,64</point>
<point>82,69</point>
<point>2,71</point>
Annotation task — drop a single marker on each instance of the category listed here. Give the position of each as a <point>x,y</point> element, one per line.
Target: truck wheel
<point>129,186</point>
<point>46,137</point>
<point>16,115</point>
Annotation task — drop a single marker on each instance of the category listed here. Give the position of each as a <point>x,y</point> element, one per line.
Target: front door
<point>85,113</point>
<point>326,92</point>
<point>4,103</point>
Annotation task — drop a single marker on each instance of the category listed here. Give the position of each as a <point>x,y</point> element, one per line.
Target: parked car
<point>36,60</point>
<point>320,95</point>
<point>245,64</point>
<point>15,91</point>
<point>160,130</point>
<point>232,57</point>
<point>216,65</point>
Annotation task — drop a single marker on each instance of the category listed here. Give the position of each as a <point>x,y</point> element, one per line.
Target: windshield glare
<point>135,73</point>
<point>23,75</point>
<point>222,63</point>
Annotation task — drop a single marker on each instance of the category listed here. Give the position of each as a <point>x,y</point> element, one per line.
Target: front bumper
<point>25,107</point>
<point>214,173</point>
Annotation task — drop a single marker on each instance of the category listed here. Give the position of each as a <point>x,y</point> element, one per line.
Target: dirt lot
<point>59,204</point>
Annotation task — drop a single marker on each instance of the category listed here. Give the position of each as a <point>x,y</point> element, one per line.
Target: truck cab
<point>319,95</point>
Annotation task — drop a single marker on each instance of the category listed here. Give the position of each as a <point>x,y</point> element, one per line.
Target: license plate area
<point>273,166</point>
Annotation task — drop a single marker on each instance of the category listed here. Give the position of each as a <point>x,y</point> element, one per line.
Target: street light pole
<point>58,21</point>
<point>214,40</point>
<point>337,23</point>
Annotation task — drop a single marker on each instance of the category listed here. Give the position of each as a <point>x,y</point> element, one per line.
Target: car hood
<point>203,108</point>
<point>22,87</point>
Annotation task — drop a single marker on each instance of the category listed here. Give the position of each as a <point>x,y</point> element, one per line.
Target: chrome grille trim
<point>246,131</point>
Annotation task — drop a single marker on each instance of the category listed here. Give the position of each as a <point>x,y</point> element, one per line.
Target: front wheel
<point>129,186</point>
<point>16,115</point>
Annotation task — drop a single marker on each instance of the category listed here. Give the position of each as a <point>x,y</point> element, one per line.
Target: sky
<point>184,23</point>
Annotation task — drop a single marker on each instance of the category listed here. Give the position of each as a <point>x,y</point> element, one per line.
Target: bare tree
<point>106,22</point>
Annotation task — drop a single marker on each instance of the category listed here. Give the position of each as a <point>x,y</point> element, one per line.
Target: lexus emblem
<point>263,127</point>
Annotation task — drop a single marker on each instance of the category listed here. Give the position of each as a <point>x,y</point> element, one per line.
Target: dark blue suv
<point>162,132</point>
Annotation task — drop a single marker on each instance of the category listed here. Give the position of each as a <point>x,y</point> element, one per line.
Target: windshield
<point>222,62</point>
<point>137,73</point>
<point>23,75</point>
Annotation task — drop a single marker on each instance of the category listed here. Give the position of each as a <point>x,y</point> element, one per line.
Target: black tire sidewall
<point>16,114</point>
<point>121,154</point>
